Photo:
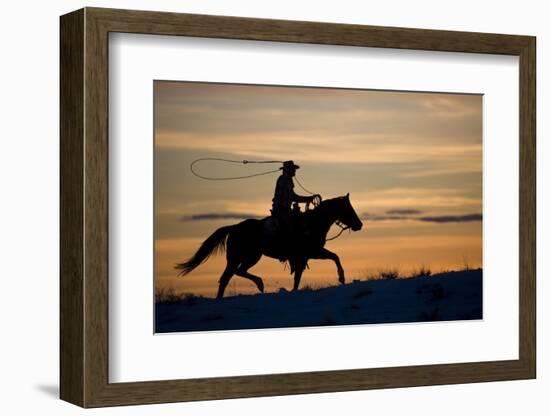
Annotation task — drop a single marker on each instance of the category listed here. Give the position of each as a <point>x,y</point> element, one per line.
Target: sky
<point>411,161</point>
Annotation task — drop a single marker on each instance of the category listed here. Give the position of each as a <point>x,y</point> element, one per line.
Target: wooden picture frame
<point>84,207</point>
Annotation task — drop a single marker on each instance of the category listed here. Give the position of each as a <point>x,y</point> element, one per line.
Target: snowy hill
<point>441,297</point>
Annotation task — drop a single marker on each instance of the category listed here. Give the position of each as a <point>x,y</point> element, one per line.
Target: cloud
<point>445,153</point>
<point>402,215</point>
<point>371,217</point>
<point>453,218</point>
<point>322,125</point>
<point>220,108</point>
<point>440,219</point>
<point>403,212</point>
<point>212,216</point>
<point>425,198</point>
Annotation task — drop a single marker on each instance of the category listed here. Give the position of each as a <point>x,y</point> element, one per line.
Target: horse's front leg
<point>325,254</point>
<point>299,267</point>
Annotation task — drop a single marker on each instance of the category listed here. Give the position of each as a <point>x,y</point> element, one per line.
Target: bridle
<point>343,228</point>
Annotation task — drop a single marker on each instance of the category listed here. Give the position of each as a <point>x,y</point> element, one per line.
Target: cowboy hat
<point>289,165</point>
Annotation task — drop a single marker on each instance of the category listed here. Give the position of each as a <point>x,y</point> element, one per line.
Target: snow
<point>442,297</point>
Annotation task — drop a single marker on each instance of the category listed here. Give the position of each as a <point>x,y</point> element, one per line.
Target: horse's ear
<point>347,195</point>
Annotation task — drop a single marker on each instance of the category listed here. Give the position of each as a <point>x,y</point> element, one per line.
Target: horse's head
<point>347,215</point>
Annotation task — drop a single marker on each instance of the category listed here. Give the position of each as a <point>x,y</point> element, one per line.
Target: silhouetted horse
<point>246,242</point>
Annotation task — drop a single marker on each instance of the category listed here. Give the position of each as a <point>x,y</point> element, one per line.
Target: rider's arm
<point>301,198</point>
<point>295,197</point>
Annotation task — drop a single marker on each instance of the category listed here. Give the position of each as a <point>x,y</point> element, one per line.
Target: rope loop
<point>230,178</point>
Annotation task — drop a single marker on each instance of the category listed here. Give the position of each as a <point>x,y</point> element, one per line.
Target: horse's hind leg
<point>234,255</point>
<point>242,270</point>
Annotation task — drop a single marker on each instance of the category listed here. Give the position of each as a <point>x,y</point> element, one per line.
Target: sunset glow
<point>412,163</point>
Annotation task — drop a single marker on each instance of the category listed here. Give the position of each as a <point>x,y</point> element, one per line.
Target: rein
<point>342,229</point>
<point>340,224</point>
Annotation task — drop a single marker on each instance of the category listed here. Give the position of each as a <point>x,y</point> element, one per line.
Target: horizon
<point>168,294</point>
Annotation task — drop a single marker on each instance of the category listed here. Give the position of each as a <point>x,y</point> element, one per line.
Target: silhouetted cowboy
<point>284,191</point>
<point>282,204</point>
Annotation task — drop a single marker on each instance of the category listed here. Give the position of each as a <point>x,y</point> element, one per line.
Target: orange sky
<point>411,162</point>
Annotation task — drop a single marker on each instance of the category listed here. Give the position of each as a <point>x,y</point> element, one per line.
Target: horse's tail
<point>212,245</point>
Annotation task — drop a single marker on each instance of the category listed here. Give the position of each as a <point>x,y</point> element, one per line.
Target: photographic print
<point>290,206</point>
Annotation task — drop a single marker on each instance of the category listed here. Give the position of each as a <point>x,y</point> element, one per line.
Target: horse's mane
<point>331,201</point>
<point>324,205</point>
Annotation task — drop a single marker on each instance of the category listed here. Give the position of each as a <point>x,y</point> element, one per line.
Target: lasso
<point>230,178</point>
<point>243,162</point>
<point>267,172</point>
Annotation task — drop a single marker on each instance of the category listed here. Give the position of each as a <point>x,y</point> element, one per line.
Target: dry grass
<point>389,273</point>
<point>466,266</point>
<point>393,272</point>
<point>167,295</point>
<point>171,295</point>
<point>421,271</point>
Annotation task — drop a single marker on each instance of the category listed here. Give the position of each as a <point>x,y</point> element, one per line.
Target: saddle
<point>285,230</point>
<point>294,223</point>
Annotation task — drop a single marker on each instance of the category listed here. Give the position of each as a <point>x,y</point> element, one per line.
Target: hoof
<point>341,277</point>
